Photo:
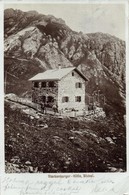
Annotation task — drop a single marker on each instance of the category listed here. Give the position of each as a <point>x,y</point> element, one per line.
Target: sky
<point>88,18</point>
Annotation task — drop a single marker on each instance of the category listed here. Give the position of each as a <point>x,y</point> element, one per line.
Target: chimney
<point>59,66</point>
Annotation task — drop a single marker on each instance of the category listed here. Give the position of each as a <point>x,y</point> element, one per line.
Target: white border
<point>44,176</point>
<point>1,90</point>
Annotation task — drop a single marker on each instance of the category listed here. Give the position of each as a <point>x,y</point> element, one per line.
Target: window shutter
<point>67,99</point>
<point>63,99</point>
<point>80,85</point>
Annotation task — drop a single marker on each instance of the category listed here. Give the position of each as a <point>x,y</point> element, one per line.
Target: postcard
<point>65,98</point>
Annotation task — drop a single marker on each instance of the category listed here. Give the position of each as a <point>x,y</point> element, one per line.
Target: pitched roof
<point>55,74</point>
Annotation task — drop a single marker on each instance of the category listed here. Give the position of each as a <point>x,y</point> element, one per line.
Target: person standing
<point>55,108</point>
<point>42,107</point>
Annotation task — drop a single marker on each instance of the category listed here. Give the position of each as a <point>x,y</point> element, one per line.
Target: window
<point>51,84</point>
<point>36,84</point>
<point>78,85</point>
<point>43,84</point>
<point>65,99</point>
<point>50,99</point>
<point>72,73</point>
<point>78,98</point>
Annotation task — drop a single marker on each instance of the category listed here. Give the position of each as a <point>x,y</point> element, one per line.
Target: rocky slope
<point>35,142</point>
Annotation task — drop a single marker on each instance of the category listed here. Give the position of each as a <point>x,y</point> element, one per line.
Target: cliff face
<point>35,42</point>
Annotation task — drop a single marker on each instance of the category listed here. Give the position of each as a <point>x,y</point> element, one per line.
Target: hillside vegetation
<point>53,144</point>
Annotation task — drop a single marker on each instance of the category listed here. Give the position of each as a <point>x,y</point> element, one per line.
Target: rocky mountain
<point>36,42</point>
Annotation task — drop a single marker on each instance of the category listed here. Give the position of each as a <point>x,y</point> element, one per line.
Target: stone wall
<point>38,93</point>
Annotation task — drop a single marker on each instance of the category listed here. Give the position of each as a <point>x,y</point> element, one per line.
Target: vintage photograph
<point>65,88</point>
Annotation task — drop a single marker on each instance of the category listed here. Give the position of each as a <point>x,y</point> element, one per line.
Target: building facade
<point>64,87</point>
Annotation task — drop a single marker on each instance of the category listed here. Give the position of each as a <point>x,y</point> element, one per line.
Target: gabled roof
<point>55,74</point>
